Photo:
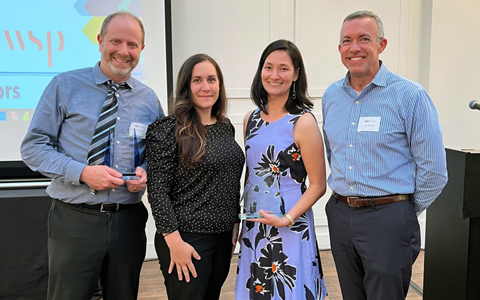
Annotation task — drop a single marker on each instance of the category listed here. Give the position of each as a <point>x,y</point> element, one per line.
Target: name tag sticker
<point>369,124</point>
<point>138,129</point>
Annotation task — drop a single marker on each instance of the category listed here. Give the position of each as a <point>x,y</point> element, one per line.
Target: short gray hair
<point>367,14</point>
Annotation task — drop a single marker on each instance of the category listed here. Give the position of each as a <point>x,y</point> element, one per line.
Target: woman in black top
<point>194,170</point>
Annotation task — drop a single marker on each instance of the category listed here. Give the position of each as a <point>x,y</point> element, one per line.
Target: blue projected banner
<point>44,38</point>
<point>38,40</point>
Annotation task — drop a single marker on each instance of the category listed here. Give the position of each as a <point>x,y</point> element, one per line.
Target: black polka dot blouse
<point>200,200</point>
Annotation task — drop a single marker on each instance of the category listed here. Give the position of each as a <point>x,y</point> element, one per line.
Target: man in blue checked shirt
<point>384,145</point>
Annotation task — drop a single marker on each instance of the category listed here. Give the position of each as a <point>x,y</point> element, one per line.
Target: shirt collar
<point>380,78</point>
<point>101,78</point>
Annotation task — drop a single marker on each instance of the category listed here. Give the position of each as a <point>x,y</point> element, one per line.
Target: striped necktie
<point>105,125</point>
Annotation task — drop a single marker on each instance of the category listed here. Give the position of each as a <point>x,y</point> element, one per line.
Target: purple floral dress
<point>284,262</point>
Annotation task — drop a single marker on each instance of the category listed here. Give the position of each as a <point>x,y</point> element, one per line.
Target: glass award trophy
<point>255,199</point>
<point>128,172</point>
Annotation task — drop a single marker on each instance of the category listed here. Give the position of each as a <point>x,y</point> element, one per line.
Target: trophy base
<point>131,176</point>
<point>255,216</point>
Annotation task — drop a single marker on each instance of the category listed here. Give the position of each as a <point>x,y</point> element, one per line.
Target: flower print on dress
<point>260,288</point>
<point>301,226</point>
<point>271,269</point>
<point>249,225</point>
<point>255,124</point>
<point>273,236</point>
<point>320,290</point>
<point>260,235</point>
<point>296,117</point>
<point>291,158</point>
<point>274,263</point>
<point>270,165</point>
<point>308,294</point>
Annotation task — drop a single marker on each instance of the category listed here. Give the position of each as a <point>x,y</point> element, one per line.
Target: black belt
<point>102,207</point>
<point>371,201</point>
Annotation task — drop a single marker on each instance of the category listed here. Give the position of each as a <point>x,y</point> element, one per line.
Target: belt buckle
<point>101,207</point>
<point>351,203</point>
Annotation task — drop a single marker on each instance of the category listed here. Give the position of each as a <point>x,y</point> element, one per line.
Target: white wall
<point>155,54</point>
<point>235,33</point>
<point>455,72</point>
<point>425,39</point>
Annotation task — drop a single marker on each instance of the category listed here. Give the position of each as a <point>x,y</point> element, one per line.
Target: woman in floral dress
<point>279,257</point>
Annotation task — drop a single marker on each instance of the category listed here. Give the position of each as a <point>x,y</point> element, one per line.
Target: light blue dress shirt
<point>62,127</point>
<point>402,154</point>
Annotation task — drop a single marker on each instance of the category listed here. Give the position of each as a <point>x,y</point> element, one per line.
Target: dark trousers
<point>85,245</point>
<point>373,248</point>
<point>212,269</point>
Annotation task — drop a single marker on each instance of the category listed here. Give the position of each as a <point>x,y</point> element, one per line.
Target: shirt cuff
<point>73,170</point>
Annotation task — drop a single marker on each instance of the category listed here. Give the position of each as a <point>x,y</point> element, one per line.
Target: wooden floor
<point>152,288</point>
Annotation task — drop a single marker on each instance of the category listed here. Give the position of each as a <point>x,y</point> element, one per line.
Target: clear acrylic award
<point>254,199</point>
<point>128,172</point>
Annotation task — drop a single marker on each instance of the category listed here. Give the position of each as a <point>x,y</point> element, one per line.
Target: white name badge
<point>369,124</point>
<point>138,129</point>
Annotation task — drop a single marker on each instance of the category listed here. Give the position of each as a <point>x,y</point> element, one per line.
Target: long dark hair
<point>189,131</point>
<point>260,96</point>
